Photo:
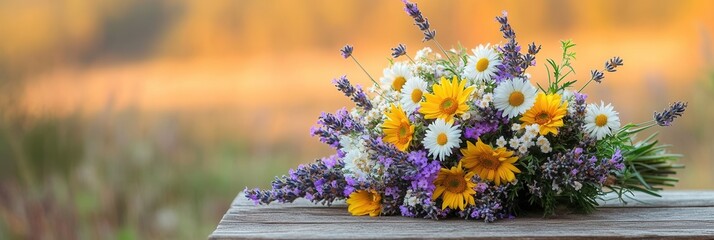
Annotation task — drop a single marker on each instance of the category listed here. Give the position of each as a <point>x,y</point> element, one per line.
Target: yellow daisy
<point>455,188</point>
<point>448,100</point>
<point>493,165</point>
<point>363,202</point>
<point>548,112</point>
<point>397,128</point>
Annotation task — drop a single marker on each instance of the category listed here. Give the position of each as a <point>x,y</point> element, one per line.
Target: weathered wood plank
<point>678,214</point>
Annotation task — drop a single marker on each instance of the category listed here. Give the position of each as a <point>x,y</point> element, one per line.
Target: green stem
<point>586,84</point>
<point>376,84</point>
<point>410,58</point>
<point>444,51</point>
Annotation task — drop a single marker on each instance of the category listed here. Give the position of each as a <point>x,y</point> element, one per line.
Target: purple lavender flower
<point>574,169</point>
<point>399,50</point>
<point>666,117</point>
<point>514,63</point>
<point>346,51</point>
<point>491,119</point>
<point>307,181</point>
<point>597,76</point>
<point>335,125</point>
<point>491,202</point>
<point>612,64</point>
<point>357,95</point>
<point>419,20</point>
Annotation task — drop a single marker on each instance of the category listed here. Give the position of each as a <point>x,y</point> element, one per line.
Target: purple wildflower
<point>419,20</point>
<point>346,51</point>
<point>335,125</point>
<point>666,117</point>
<point>357,95</point>
<point>399,50</point>
<point>307,181</point>
<point>514,63</point>
<point>491,119</point>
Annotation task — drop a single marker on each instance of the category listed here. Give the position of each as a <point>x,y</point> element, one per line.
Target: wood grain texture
<point>678,214</point>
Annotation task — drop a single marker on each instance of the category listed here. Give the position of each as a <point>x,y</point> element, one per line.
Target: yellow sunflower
<point>363,202</point>
<point>455,188</point>
<point>448,100</point>
<point>548,112</point>
<point>493,165</point>
<point>397,128</point>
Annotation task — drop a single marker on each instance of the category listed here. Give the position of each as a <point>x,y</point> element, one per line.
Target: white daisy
<point>441,137</point>
<point>396,76</point>
<point>601,120</point>
<point>514,96</point>
<point>482,65</point>
<point>412,93</point>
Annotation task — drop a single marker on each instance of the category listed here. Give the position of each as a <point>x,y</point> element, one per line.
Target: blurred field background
<point>131,119</point>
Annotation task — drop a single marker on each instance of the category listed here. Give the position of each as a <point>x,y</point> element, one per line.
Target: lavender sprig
<point>346,51</point>
<point>335,125</point>
<point>356,94</point>
<point>424,26</point>
<point>514,63</point>
<point>399,50</point>
<point>319,182</point>
<point>666,117</point>
<point>597,75</point>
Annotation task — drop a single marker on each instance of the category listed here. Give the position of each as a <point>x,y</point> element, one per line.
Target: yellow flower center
<point>403,132</point>
<point>516,99</point>
<point>489,161</point>
<point>455,184</point>
<point>601,120</point>
<point>441,139</point>
<point>416,95</point>
<point>398,83</point>
<point>482,64</point>
<point>448,105</point>
<point>542,118</point>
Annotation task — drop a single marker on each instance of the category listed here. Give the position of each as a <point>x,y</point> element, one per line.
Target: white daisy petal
<point>601,120</point>
<point>396,76</point>
<point>514,96</point>
<point>481,66</point>
<point>412,93</point>
<point>441,138</point>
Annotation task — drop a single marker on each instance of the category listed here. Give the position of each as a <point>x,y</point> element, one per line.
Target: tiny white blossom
<point>533,129</point>
<point>514,143</point>
<point>515,127</point>
<point>523,149</point>
<point>546,148</point>
<point>542,141</point>
<point>466,116</point>
<point>501,142</point>
<point>577,185</point>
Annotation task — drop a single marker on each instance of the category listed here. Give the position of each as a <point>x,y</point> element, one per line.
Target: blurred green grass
<point>120,176</point>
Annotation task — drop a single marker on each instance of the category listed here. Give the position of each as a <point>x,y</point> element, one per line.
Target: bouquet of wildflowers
<point>467,133</point>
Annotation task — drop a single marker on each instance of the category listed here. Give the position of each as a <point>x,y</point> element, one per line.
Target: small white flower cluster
<point>357,160</point>
<point>530,137</point>
<point>410,199</point>
<point>376,114</point>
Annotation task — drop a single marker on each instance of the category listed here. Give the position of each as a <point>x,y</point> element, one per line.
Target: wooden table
<point>678,214</point>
